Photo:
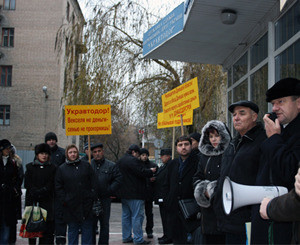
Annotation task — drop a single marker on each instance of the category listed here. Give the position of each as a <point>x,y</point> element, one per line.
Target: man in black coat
<point>240,163</point>
<point>57,158</point>
<point>108,182</point>
<point>282,152</point>
<point>160,176</point>
<point>133,195</point>
<point>149,195</point>
<point>179,185</point>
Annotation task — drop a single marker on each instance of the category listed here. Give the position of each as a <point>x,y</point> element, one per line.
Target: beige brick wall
<point>35,64</point>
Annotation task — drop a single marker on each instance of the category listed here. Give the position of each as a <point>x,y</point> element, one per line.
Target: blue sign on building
<point>165,29</point>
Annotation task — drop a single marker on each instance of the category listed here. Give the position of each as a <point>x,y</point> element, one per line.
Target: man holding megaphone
<point>282,155</point>
<point>240,163</point>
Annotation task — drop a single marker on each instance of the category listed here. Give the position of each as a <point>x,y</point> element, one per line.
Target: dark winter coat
<point>149,184</point>
<point>39,184</point>
<point>75,186</point>
<point>160,177</point>
<point>240,163</point>
<point>10,182</point>
<point>209,167</point>
<point>282,153</point>
<point>108,177</point>
<point>134,174</point>
<point>57,155</point>
<point>286,209</point>
<point>180,188</point>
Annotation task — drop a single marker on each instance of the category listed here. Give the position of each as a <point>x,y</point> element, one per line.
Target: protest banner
<point>165,120</point>
<point>181,99</point>
<point>87,119</point>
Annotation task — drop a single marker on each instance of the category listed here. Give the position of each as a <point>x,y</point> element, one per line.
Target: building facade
<point>34,55</point>
<point>256,42</point>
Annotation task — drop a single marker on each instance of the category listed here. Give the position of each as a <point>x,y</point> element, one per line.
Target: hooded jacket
<point>209,167</point>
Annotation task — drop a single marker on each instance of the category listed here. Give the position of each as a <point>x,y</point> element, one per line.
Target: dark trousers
<point>236,238</point>
<point>164,221</point>
<point>104,222</point>
<point>149,216</point>
<point>48,235</point>
<point>60,225</point>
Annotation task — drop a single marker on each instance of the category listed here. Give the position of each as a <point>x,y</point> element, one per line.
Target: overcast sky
<point>154,5</point>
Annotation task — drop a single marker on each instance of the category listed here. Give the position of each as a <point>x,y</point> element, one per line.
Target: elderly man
<point>133,195</point>
<point>240,163</point>
<point>282,154</point>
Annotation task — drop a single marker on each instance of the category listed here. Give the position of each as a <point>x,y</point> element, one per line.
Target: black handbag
<point>38,225</point>
<point>189,208</point>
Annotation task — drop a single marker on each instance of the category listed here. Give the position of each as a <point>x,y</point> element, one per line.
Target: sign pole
<point>89,143</point>
<point>173,144</point>
<point>182,132</point>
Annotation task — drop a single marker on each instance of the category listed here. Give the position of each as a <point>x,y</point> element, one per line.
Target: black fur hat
<point>283,88</point>
<point>50,136</point>
<point>42,148</point>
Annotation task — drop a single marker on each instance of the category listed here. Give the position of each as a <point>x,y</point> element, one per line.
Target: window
<point>259,51</point>
<point>240,67</point>
<point>287,26</point>
<point>68,11</point>
<point>4,115</point>
<point>8,37</point>
<point>259,86</point>
<point>287,63</point>
<point>240,92</point>
<point>6,74</point>
<point>9,4</point>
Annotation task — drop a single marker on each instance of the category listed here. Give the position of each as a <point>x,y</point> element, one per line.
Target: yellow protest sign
<point>87,119</point>
<point>182,98</point>
<point>165,120</point>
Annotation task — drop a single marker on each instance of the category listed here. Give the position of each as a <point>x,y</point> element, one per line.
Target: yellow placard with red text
<point>165,120</point>
<point>182,98</point>
<point>87,119</point>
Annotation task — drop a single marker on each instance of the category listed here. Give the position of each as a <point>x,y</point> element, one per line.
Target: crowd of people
<point>77,194</point>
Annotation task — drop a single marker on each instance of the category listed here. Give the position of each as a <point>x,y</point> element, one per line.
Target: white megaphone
<point>236,195</point>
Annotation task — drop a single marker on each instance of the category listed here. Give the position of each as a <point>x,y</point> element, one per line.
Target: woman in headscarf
<point>39,184</point>
<point>214,140</point>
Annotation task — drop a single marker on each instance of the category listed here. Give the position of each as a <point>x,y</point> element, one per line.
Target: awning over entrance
<point>204,38</point>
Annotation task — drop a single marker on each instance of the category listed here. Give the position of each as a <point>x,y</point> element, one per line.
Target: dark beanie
<point>50,136</point>
<point>4,144</point>
<point>196,136</point>
<point>134,147</point>
<point>144,150</point>
<point>166,151</point>
<point>283,88</point>
<point>42,148</point>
